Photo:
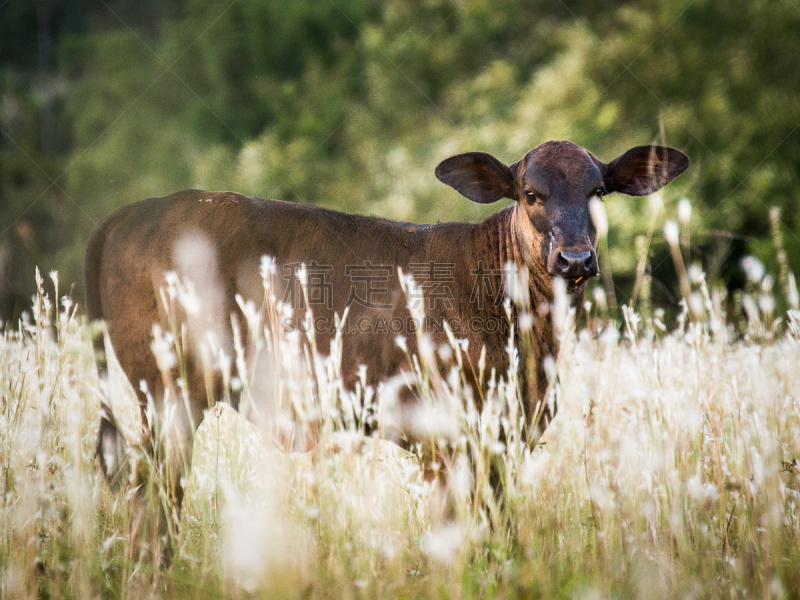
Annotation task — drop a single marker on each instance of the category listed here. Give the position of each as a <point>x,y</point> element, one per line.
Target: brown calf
<point>459,266</point>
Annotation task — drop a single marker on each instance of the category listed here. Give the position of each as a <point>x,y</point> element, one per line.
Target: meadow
<point>669,471</point>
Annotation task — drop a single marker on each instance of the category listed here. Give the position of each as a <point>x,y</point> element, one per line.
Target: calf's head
<point>553,186</point>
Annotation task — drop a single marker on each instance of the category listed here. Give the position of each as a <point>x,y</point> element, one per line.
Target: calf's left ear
<point>478,176</point>
<point>644,169</point>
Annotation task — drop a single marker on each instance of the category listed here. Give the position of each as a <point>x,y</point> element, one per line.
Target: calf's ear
<point>478,176</point>
<point>644,169</point>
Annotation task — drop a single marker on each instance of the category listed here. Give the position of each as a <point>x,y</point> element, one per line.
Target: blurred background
<point>351,104</point>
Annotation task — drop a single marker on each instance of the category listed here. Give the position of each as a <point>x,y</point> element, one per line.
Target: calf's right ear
<point>478,176</point>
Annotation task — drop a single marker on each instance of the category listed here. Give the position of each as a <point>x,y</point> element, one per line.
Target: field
<point>670,471</point>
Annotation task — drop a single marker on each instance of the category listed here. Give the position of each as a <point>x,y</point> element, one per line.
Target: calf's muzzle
<point>573,264</point>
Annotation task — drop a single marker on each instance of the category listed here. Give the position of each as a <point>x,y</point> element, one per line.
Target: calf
<point>355,261</point>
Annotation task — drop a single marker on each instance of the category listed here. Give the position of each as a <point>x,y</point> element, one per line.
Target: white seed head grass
<point>684,211</point>
<point>597,210</point>
<point>671,233</point>
<point>671,448</point>
<point>753,268</point>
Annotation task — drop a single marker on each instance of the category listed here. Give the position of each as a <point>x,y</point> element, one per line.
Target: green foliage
<point>352,104</point>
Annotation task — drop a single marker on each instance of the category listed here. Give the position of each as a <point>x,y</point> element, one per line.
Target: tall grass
<point>670,469</point>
